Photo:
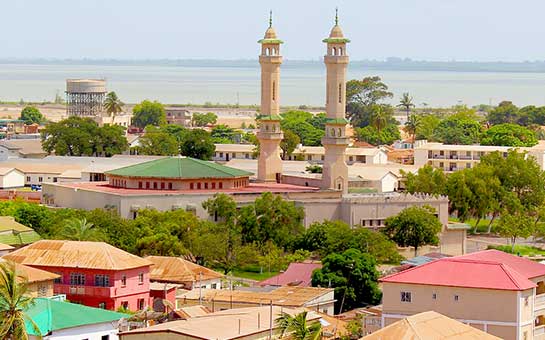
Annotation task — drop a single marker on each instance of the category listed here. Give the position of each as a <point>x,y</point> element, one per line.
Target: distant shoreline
<point>391,64</point>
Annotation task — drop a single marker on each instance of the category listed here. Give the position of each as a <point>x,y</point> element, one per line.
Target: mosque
<point>184,183</point>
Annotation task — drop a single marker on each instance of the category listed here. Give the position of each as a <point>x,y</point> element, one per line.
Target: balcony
<point>539,301</point>
<point>84,290</point>
<point>539,331</point>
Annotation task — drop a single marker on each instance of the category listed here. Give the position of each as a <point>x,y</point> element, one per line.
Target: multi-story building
<point>457,157</point>
<point>95,274</point>
<point>39,282</point>
<point>493,291</point>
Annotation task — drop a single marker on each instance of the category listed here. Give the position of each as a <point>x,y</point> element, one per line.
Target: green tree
<point>160,244</point>
<point>110,140</point>
<point>204,119</point>
<point>427,124</point>
<point>31,115</point>
<point>406,102</point>
<point>73,136</point>
<point>198,144</point>
<point>381,115</point>
<point>305,125</point>
<point>509,135</point>
<point>148,113</point>
<point>411,125</point>
<point>14,302</point>
<point>159,143</point>
<point>81,230</point>
<point>298,327</point>
<point>506,112</point>
<point>371,135</point>
<point>414,227</point>
<point>458,130</point>
<point>514,226</point>
<point>361,95</point>
<point>222,134</point>
<point>354,276</point>
<point>113,105</point>
<point>427,180</point>
<point>289,143</point>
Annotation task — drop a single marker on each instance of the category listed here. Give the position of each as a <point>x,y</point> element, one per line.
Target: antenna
<point>336,16</point>
<point>270,18</point>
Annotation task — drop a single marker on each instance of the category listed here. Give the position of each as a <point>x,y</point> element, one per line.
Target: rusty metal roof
<point>76,254</point>
<point>32,274</point>
<point>178,270</point>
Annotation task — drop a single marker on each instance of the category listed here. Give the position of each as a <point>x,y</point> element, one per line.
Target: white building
<point>11,178</point>
<point>21,148</point>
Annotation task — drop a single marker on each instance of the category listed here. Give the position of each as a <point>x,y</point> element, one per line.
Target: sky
<point>463,30</point>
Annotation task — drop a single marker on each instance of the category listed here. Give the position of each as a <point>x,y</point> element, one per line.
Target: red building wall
<point>113,296</point>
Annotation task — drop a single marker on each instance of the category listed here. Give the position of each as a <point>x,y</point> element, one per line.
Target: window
<point>154,185</point>
<point>191,186</point>
<point>58,279</point>
<point>434,296</point>
<point>221,154</point>
<point>77,279</point>
<point>456,298</point>
<point>125,304</point>
<point>213,185</point>
<point>102,305</point>
<point>198,186</point>
<point>406,297</point>
<point>221,185</point>
<point>42,290</point>
<point>123,280</point>
<point>214,285</point>
<point>102,280</point>
<point>169,186</point>
<point>526,301</point>
<point>40,179</point>
<point>147,185</point>
<point>28,178</point>
<point>162,185</point>
<point>140,278</point>
<point>55,179</point>
<point>274,91</point>
<point>206,185</point>
<point>141,304</point>
<point>340,93</point>
<point>139,185</point>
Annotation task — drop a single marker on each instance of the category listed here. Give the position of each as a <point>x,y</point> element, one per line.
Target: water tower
<point>85,97</point>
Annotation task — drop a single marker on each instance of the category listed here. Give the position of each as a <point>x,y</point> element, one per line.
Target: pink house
<point>95,274</point>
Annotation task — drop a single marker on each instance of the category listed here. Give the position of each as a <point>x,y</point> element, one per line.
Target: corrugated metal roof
<point>178,270</point>
<point>297,274</point>
<point>33,274</point>
<point>76,254</point>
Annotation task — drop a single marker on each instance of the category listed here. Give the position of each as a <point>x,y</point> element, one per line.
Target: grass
<point>482,228</point>
<point>520,250</point>
<point>253,275</point>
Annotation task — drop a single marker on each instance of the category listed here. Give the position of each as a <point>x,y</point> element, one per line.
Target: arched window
<point>267,51</point>
<point>340,51</point>
<point>274,90</point>
<point>340,92</point>
<point>340,132</point>
<point>334,51</point>
<point>332,132</point>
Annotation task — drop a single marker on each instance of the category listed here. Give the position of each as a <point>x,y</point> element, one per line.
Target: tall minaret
<point>335,171</point>
<point>269,165</point>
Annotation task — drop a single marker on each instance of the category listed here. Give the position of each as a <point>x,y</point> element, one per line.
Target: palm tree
<point>411,125</point>
<point>113,105</point>
<point>406,102</point>
<point>81,230</point>
<point>298,327</point>
<point>379,117</point>
<point>14,301</point>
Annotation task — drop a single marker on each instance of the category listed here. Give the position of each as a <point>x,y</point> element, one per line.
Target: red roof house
<point>297,274</point>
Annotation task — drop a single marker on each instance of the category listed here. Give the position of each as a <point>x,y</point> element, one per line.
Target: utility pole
<point>200,288</point>
<point>271,321</point>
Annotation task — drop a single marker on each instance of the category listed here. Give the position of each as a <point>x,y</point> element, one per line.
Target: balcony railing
<point>539,330</point>
<point>84,290</point>
<point>540,301</point>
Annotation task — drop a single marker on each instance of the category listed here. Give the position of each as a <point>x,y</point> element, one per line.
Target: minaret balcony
<point>263,135</point>
<point>335,141</point>
<point>336,59</point>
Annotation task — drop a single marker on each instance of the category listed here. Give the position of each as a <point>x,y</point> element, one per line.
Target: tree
<point>509,135</point>
<point>81,230</point>
<point>14,301</point>
<point>427,123</point>
<point>371,135</point>
<point>159,143</point>
<point>413,227</point>
<point>380,116</point>
<point>354,276</point>
<point>289,143</point>
<point>198,144</point>
<point>297,327</point>
<point>31,115</point>
<point>148,113</point>
<point>73,136</point>
<point>305,125</point>
<point>427,180</point>
<point>406,102</point>
<point>222,134</point>
<point>514,226</point>
<point>110,140</point>
<point>458,130</point>
<point>204,119</point>
<point>506,112</point>
<point>361,95</point>
<point>113,105</point>
<point>411,126</point>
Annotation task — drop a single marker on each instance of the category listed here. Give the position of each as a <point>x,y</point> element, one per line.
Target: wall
<point>89,332</point>
<point>41,289</point>
<point>6,153</point>
<point>13,179</point>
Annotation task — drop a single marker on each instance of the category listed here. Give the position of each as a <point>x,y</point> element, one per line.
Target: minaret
<point>269,163</point>
<point>335,170</point>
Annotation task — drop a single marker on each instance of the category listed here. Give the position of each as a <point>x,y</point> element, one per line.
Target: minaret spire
<point>270,18</point>
<point>336,16</point>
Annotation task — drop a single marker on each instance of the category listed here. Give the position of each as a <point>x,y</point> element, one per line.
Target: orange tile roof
<point>178,270</point>
<point>76,254</point>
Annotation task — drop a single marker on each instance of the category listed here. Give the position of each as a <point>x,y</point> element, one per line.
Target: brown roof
<point>429,325</point>
<point>33,274</point>
<point>178,270</point>
<point>76,254</point>
<point>5,247</point>
<point>281,296</point>
<point>24,146</point>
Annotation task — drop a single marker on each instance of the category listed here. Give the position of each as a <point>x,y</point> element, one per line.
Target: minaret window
<point>340,132</point>
<point>274,90</point>
<point>340,51</point>
<point>334,51</point>
<point>340,93</point>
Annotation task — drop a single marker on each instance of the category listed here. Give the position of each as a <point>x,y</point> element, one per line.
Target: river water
<point>232,83</point>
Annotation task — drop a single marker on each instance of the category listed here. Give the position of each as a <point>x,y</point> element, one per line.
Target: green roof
<point>50,315</point>
<point>336,40</point>
<point>270,41</point>
<point>179,168</point>
<point>338,121</point>
<point>15,233</point>
<point>269,117</point>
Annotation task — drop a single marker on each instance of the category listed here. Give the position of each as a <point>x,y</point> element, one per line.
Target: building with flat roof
<point>252,323</point>
<point>95,274</point>
<point>493,291</point>
<point>318,299</point>
<point>457,157</point>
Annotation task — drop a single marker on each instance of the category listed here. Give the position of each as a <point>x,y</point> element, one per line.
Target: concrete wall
<point>13,179</point>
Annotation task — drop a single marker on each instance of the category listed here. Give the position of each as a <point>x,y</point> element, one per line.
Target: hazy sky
<point>484,30</point>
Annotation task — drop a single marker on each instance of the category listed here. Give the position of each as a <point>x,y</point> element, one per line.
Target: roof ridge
<point>508,271</point>
<point>211,164</point>
<point>414,328</point>
<point>409,270</point>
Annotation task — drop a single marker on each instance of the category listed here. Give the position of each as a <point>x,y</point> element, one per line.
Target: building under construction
<point>85,97</point>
